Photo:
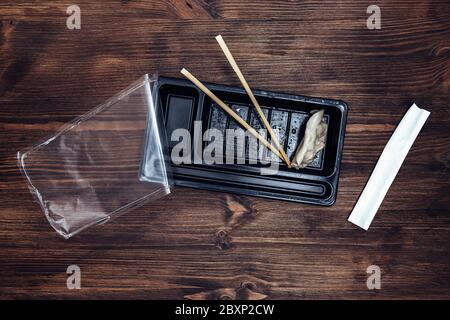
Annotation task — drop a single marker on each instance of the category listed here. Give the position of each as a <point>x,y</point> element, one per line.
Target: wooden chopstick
<point>230,111</point>
<point>236,69</point>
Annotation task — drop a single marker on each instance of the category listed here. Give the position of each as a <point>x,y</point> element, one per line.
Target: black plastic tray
<point>182,103</point>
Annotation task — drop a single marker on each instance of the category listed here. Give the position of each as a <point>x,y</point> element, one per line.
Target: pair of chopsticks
<point>279,151</point>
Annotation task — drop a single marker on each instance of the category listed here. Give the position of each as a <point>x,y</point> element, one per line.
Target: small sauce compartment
<point>179,104</point>
<point>182,104</point>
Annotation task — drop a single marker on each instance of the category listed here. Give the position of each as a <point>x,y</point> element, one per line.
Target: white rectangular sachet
<point>388,166</point>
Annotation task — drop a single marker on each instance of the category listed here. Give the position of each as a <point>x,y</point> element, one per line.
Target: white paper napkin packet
<point>388,166</point>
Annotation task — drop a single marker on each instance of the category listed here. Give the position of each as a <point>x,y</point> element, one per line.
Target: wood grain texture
<point>204,245</point>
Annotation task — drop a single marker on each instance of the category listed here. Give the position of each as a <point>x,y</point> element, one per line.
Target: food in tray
<point>313,140</point>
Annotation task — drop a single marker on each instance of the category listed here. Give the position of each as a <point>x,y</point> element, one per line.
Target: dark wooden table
<point>187,245</point>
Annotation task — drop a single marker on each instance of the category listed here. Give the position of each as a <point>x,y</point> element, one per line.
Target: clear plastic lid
<point>103,163</point>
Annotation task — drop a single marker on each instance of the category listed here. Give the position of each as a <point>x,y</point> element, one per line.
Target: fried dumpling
<point>313,141</point>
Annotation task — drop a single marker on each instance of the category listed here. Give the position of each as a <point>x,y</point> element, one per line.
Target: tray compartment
<point>280,114</point>
<point>179,107</point>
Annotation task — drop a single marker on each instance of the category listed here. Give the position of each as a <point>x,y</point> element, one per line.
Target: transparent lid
<point>103,163</point>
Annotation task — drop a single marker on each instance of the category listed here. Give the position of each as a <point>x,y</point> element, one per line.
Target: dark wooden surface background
<point>204,245</point>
